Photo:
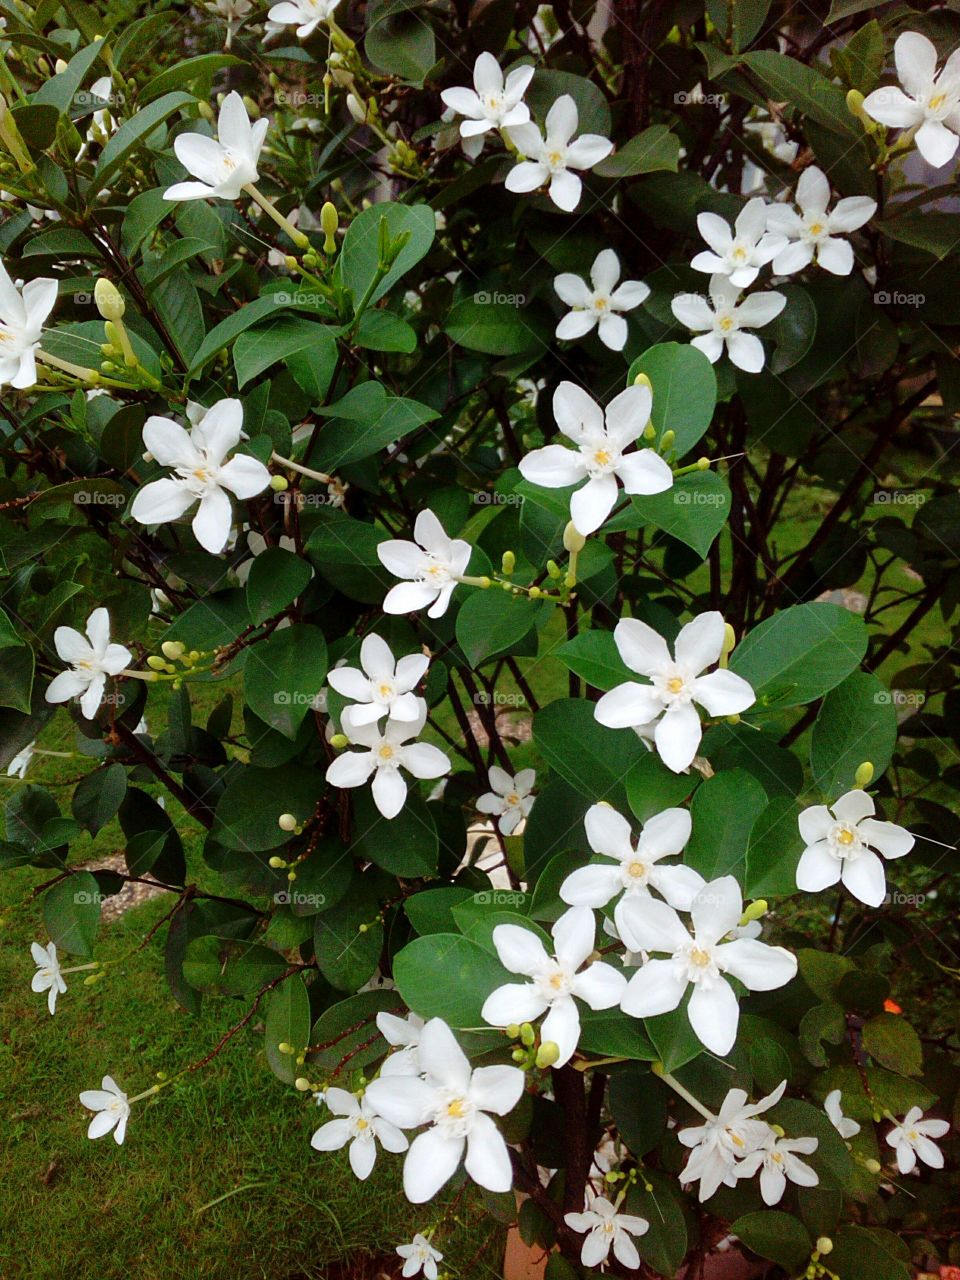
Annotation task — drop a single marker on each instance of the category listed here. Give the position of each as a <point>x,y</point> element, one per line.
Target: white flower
<point>384,686</point>
<point>232,10</point>
<point>510,797</point>
<point>49,976</point>
<point>601,439</point>
<point>385,754</point>
<point>675,686</point>
<point>777,1163</point>
<point>305,15</point>
<point>930,103</point>
<point>555,981</point>
<point>433,565</point>
<point>913,1138</point>
<point>700,961</point>
<point>599,306</point>
<point>729,1136</point>
<point>845,1127</point>
<point>813,232</point>
<point>724,324</point>
<point>419,1255</point>
<point>225,165</point>
<point>550,158</point>
<point>491,103</point>
<point>18,766</point>
<point>456,1103</point>
<point>773,139</point>
<point>92,658</point>
<point>635,867</point>
<point>112,1107</point>
<point>404,1035</point>
<point>197,458</point>
<point>840,847</point>
<point>739,253</point>
<point>605,1227</point>
<point>358,1124</point>
<point>22,315</point>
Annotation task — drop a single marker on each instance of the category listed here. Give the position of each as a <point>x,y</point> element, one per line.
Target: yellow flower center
<point>512,799</point>
<point>201,474</point>
<point>739,253</point>
<point>675,684</point>
<point>385,690</point>
<point>555,157</point>
<point>817,229</point>
<point>602,458</point>
<point>456,1109</point>
<point>601,304</point>
<point>556,981</point>
<point>386,752</point>
<point>845,836</point>
<point>700,957</point>
<point>913,1135</point>
<point>361,1124</point>
<point>937,101</point>
<point>726,324</point>
<point>637,870</point>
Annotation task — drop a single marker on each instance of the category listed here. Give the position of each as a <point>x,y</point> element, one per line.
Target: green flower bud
<point>329,221</point>
<point>339,741</point>
<point>824,1245</point>
<point>277,863</point>
<point>303,1084</point>
<point>109,300</point>
<point>287,822</point>
<point>279,484</point>
<point>864,775</point>
<point>156,663</point>
<point>173,649</point>
<point>573,539</point>
<point>547,1054</point>
<point>641,380</point>
<point>527,1034</point>
<point>508,562</point>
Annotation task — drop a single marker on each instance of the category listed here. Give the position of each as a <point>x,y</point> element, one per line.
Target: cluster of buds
<point>528,1054</point>
<point>175,661</point>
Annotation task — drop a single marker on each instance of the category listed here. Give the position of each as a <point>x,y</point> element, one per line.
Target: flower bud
<point>641,380</point>
<point>535,593</point>
<point>703,464</point>
<point>287,822</point>
<point>283,1047</point>
<point>553,569</point>
<point>109,300</point>
<point>329,221</point>
<point>277,863</point>
<point>527,1034</point>
<point>649,431</point>
<point>279,484</point>
<point>173,649</point>
<point>667,441</point>
<point>754,911</point>
<point>547,1054</point>
<point>291,875</point>
<point>508,563</point>
<point>513,1030</point>
<point>519,1055</point>
<point>573,539</point>
<point>156,663</point>
<point>339,741</point>
<point>824,1245</point>
<point>303,1084</point>
<point>872,1166</point>
<point>356,108</point>
<point>855,102</point>
<point>206,111</point>
<point>729,639</point>
<point>864,775</point>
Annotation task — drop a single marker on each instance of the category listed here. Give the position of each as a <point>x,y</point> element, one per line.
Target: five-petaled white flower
<point>740,253</point>
<point>433,565</point>
<point>492,103</point>
<point>358,1124</point>
<point>600,305</point>
<point>48,977</point>
<point>551,157</point>
<point>419,1255</point>
<point>510,800</point>
<point>384,687</point>
<point>725,1139</point>
<point>601,439</point>
<point>456,1103</point>
<point>402,1034</point>
<point>554,981</point>
<point>912,1139</point>
<point>700,961</point>
<point>635,868</point>
<point>846,1127</point>
<point>931,103</point>
<point>777,1162</point>
<point>92,658</point>
<point>385,753</point>
<point>22,314</point>
<point>224,165</point>
<point>840,847</point>
<point>197,458</point>
<point>723,321</point>
<point>112,1108</point>
<point>607,1228</point>
<point>675,686</point>
<point>813,232</point>
<point>18,766</point>
<point>305,15</point>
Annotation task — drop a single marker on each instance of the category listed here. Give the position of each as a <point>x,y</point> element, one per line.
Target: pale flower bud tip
<point>573,539</point>
<point>864,775</point>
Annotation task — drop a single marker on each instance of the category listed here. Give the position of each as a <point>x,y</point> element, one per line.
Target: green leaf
<point>693,511</point>
<point>257,349</point>
<point>284,675</point>
<point>230,966</point>
<point>348,1031</point>
<point>673,1038</point>
<point>400,43</point>
<point>724,809</point>
<point>800,653</point>
<point>71,913</point>
<point>431,910</point>
<point>243,318</point>
<point>773,851</point>
<point>738,21</point>
<point>16,678</point>
<point>594,656</point>
<point>359,254</point>
<point>684,391</point>
<point>134,132</point>
<point>254,798</point>
<point>786,80</point>
<point>383,331</point>
<point>483,323</point>
<point>98,797</point>
<point>593,110</point>
<point>364,422</point>
<point>446,975</point>
<point>892,1041</point>
<point>348,941</point>
<point>857,722</point>
<point>287,1022</point>
<point>276,578</point>
<point>197,72</point>
<point>406,845</point>
<point>612,1034</point>
<point>61,89</point>
<point>859,1252</point>
<point>775,1235</point>
<point>490,622</point>
<point>344,552</point>
<point>652,787</point>
<point>655,148</point>
<point>664,1245</point>
<point>591,759</point>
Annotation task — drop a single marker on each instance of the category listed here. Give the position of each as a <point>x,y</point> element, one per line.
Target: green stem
<point>298,238</point>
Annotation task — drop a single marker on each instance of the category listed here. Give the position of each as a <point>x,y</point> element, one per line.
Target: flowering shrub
<point>370,372</point>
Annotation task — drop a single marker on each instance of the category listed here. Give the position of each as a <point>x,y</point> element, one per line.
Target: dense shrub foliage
<point>487,469</point>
